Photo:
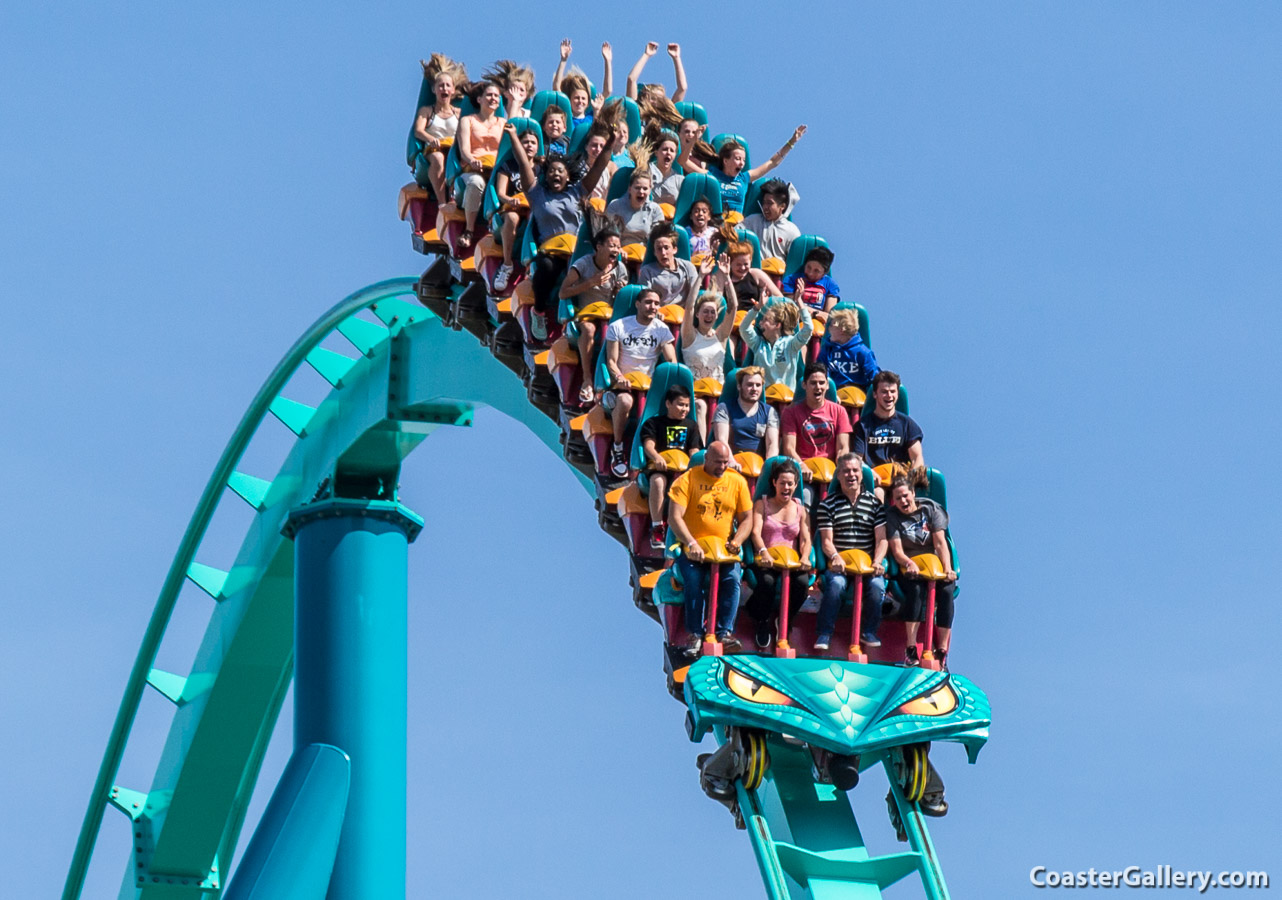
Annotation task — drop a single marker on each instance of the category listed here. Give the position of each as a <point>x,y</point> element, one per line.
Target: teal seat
<point>683,247</point>
<point>901,404</point>
<point>619,182</point>
<point>865,328</point>
<point>697,186</point>
<point>694,111</point>
<point>579,137</point>
<point>491,204</point>
<point>752,199</point>
<point>543,99</point>
<point>797,252</point>
<point>720,140</point>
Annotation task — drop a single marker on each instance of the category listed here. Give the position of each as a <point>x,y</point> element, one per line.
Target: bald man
<point>707,502</point>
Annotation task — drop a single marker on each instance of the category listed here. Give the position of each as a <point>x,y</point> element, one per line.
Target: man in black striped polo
<point>851,519</point>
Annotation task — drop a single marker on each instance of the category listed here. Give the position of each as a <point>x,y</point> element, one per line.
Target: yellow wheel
<point>913,773</point>
<point>758,759</point>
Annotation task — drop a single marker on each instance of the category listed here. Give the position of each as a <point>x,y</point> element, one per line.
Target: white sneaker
<point>502,277</point>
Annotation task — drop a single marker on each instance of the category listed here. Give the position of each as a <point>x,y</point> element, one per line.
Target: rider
<point>594,278</point>
<point>914,526</point>
<point>632,344</point>
<point>744,422</point>
<point>773,228</point>
<point>674,430</point>
<point>849,360</point>
<point>815,426</point>
<point>886,435</point>
<point>851,519</point>
<point>705,502</point>
<point>778,519</point>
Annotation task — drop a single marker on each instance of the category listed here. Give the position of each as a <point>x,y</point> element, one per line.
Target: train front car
<point>795,734</point>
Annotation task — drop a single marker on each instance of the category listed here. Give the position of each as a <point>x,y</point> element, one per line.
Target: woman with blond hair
<point>776,333</point>
<point>436,123</point>
<point>516,83</point>
<point>703,341</point>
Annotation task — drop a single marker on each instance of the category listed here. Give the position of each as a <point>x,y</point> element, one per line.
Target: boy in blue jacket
<point>848,359</point>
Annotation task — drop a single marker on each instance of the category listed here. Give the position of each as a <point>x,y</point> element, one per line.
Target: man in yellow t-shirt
<point>705,502</point>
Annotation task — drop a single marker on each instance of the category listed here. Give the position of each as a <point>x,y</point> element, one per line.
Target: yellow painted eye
<point>751,689</point>
<point>939,702</point>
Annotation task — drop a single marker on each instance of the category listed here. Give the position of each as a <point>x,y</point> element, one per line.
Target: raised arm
<point>688,330</point>
<point>566,47</point>
<point>518,153</point>
<point>749,334</point>
<point>726,328</point>
<point>758,171</point>
<point>766,283</point>
<point>588,184</point>
<point>674,50</point>
<point>607,77</point>
<point>686,163</point>
<point>635,75</point>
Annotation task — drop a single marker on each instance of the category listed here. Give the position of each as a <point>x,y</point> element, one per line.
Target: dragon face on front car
<point>847,708</point>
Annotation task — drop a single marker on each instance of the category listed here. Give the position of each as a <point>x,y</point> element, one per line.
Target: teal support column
<point>350,670</point>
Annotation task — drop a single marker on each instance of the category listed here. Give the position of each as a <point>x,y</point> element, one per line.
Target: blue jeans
<point>694,587</point>
<point>835,587</point>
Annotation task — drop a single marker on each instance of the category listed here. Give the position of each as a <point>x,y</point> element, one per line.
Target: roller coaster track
<point>410,373</point>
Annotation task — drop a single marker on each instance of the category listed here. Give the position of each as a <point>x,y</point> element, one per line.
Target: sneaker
<point>539,326</point>
<point>934,805</point>
<point>658,534</point>
<point>868,639</point>
<point>763,637</point>
<point>694,644</point>
<point>618,462</point>
<point>821,642</point>
<point>942,657</point>
<point>464,244</point>
<point>730,642</point>
<point>501,277</point>
<point>911,658</point>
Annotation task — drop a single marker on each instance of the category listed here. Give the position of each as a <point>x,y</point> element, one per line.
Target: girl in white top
<point>703,342</point>
<point>434,124</point>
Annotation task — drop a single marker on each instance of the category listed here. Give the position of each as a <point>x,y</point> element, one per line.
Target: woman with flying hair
<point>516,83</point>
<point>436,123</point>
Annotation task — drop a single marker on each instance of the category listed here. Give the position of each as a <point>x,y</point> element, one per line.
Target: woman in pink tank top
<point>778,519</point>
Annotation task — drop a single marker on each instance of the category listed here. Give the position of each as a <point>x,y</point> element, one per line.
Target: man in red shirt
<point>815,426</point>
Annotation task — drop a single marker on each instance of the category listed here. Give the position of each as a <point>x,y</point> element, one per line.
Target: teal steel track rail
<point>185,556</point>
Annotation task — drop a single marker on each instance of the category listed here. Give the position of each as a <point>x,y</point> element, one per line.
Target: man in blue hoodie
<point>848,359</point>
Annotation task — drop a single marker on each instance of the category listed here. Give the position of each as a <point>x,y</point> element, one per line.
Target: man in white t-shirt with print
<point>632,344</point>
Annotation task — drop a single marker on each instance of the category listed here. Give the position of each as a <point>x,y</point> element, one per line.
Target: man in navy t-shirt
<point>886,435</point>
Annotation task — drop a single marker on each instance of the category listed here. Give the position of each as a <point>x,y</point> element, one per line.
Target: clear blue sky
<point>1064,220</point>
